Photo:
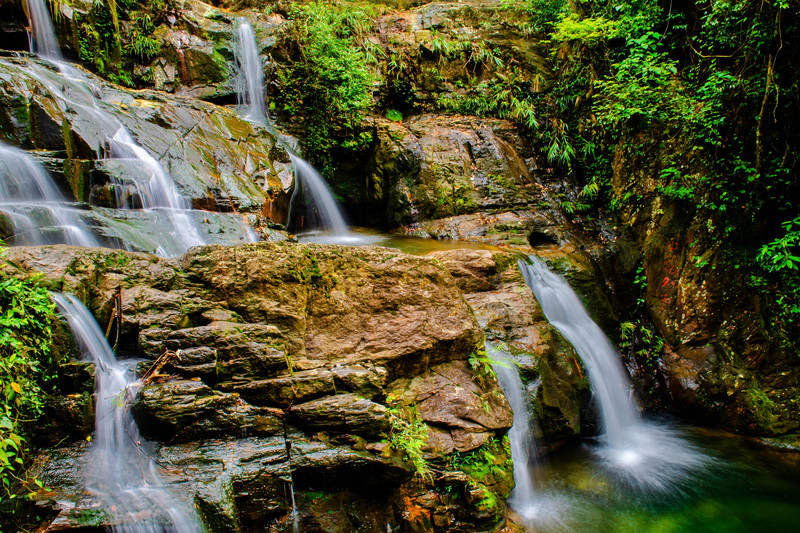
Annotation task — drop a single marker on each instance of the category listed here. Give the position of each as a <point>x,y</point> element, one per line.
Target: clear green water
<point>744,488</point>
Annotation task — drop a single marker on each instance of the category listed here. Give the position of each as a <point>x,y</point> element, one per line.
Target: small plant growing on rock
<point>408,435</point>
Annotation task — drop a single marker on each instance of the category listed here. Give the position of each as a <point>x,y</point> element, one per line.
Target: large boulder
<point>317,353</point>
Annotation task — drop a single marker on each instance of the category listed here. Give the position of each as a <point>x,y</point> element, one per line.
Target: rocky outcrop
<point>214,156</point>
<point>434,166</point>
<point>721,364</point>
<point>509,313</point>
<point>312,355</point>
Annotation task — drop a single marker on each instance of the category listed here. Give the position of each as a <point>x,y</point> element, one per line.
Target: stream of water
<point>313,210</point>
<point>122,475</point>
<point>34,206</point>
<point>250,81</point>
<point>146,187</point>
<point>524,451</point>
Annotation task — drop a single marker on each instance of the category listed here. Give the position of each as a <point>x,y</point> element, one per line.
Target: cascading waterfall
<point>322,213</point>
<point>524,451</point>
<point>121,473</point>
<point>649,457</point>
<point>250,81</point>
<point>153,189</point>
<point>34,206</point>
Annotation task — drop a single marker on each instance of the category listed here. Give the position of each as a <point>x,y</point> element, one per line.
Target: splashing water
<point>644,455</point>
<point>121,472</point>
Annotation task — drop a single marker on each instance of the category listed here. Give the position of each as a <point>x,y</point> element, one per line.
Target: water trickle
<point>647,456</point>
<point>36,209</point>
<point>312,207</point>
<point>295,515</point>
<point>250,81</point>
<point>121,472</point>
<point>524,450</point>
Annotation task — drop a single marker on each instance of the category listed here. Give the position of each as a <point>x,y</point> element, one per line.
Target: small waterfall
<point>524,451</point>
<point>153,189</point>
<point>321,212</point>
<point>35,207</point>
<point>648,456</point>
<point>121,472</point>
<point>42,37</point>
<point>250,81</point>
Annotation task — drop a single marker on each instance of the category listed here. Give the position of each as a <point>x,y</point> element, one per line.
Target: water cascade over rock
<point>120,469</point>
<point>250,81</point>
<point>312,205</point>
<point>523,444</point>
<point>141,207</point>
<point>153,186</point>
<point>41,37</point>
<point>649,457</point>
<point>33,207</point>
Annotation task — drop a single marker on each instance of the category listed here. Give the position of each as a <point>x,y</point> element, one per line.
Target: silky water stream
<point>314,213</point>
<point>640,474</point>
<point>121,473</point>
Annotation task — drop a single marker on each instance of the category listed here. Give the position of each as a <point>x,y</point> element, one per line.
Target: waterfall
<point>120,470</point>
<point>524,451</point>
<point>648,456</point>
<point>250,81</point>
<point>322,213</point>
<point>35,208</point>
<point>153,188</point>
<point>42,37</point>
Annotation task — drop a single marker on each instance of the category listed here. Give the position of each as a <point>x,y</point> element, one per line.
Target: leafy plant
<point>487,467</point>
<point>408,435</point>
<point>326,79</point>
<point>25,344</point>
<point>783,253</point>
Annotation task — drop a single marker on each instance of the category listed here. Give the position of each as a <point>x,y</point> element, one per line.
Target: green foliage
<point>100,36</point>
<point>408,435</point>
<point>473,53</point>
<point>483,364</point>
<point>543,14</point>
<point>644,90</point>
<point>327,80</point>
<point>588,31</point>
<point>761,406</point>
<point>25,342</point>
<point>784,252</point>
<point>487,467</point>
<point>394,115</point>
<point>502,97</point>
<point>642,340</point>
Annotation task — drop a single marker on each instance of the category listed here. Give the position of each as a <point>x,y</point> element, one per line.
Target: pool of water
<point>743,487</point>
<point>410,245</point>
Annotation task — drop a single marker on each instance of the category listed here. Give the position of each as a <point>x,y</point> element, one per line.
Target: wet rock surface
<point>283,362</point>
<point>509,313</point>
<point>218,161</point>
